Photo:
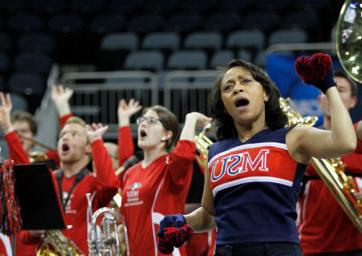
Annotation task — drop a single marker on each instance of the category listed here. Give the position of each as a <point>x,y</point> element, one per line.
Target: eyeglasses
<point>148,119</point>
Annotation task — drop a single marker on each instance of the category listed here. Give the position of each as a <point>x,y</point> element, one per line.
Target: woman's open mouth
<point>143,133</point>
<point>241,102</point>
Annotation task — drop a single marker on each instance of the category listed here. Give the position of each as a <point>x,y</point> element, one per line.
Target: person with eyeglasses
<point>158,185</point>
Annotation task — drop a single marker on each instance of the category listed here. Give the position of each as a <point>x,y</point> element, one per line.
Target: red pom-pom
<point>320,63</point>
<point>303,68</point>
<point>314,69</point>
<point>10,212</point>
<point>164,246</point>
<point>178,236</point>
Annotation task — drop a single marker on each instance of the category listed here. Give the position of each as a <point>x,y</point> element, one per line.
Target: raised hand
<point>316,70</point>
<point>5,109</point>
<point>201,119</point>
<point>60,96</point>
<point>125,111</point>
<point>96,131</point>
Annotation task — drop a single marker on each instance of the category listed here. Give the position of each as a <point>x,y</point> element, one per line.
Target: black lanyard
<point>78,178</point>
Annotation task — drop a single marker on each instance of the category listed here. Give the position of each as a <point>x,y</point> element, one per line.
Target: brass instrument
<point>202,145</point>
<point>37,156</point>
<point>349,38</point>
<point>56,244</point>
<point>331,172</point>
<point>103,239</point>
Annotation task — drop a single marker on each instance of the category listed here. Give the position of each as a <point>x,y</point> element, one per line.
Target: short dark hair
<point>353,85</point>
<point>169,122</point>
<point>21,116</point>
<point>275,117</point>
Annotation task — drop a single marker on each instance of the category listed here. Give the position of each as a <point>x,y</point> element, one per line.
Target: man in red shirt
<point>75,146</point>
<point>324,227</point>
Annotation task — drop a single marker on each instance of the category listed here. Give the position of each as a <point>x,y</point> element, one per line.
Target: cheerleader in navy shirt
<point>256,166</point>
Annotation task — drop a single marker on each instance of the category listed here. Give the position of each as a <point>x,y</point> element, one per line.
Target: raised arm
<point>304,143</point>
<point>60,96</point>
<point>125,139</point>
<point>102,161</point>
<point>185,151</point>
<point>193,120</point>
<point>16,149</point>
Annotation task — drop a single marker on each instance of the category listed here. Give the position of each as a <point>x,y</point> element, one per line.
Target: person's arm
<point>125,139</point>
<point>16,149</point>
<point>60,96</point>
<point>185,151</point>
<point>106,182</point>
<point>358,127</point>
<point>202,219</point>
<point>304,142</point>
<point>102,161</point>
<point>359,130</point>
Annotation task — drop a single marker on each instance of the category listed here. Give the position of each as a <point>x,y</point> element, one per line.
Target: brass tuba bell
<point>349,38</point>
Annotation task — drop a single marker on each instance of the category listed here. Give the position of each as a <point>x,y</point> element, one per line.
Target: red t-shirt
<point>150,193</point>
<point>323,225</point>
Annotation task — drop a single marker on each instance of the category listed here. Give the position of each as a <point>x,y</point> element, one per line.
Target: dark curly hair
<point>225,128</point>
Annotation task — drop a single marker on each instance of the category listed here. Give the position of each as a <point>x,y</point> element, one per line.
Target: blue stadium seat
<point>162,41</point>
<point>5,42</point>
<point>105,24</point>
<point>147,23</point>
<point>123,6</point>
<point>287,36</point>
<point>221,58</point>
<point>28,62</point>
<point>5,63</point>
<point>145,60</point>
<point>66,23</point>
<point>36,43</point>
<point>203,40</point>
<point>260,59</point>
<point>236,5</point>
<point>307,20</point>
<point>51,6</point>
<point>245,55</point>
<point>223,22</point>
<point>14,6</point>
<point>25,23</point>
<point>86,7</point>
<point>246,39</point>
<point>26,83</point>
<point>183,23</point>
<point>265,22</point>
<point>161,6</point>
<point>114,48</point>
<point>117,41</point>
<point>191,59</point>
<point>197,6</point>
